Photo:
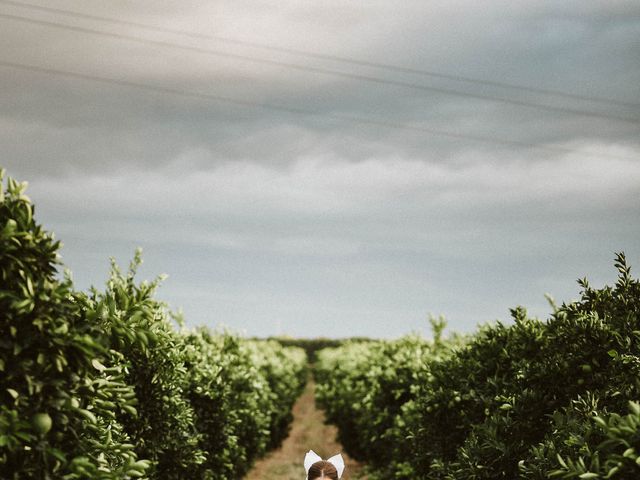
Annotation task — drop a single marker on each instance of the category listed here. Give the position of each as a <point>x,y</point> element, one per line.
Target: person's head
<point>323,470</point>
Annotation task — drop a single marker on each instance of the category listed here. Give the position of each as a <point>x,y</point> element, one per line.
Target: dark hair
<point>323,469</point>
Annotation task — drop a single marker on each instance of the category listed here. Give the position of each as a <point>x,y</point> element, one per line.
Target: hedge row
<point>313,345</point>
<point>531,400</point>
<point>106,385</point>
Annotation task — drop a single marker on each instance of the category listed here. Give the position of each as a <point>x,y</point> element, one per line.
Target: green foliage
<point>586,443</point>
<point>139,328</point>
<point>242,393</point>
<point>102,385</point>
<point>58,387</point>
<point>516,401</point>
<point>313,345</point>
<point>368,391</point>
<point>285,369</point>
<point>615,457</point>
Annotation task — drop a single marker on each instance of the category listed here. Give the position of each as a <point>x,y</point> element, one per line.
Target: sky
<point>331,168</point>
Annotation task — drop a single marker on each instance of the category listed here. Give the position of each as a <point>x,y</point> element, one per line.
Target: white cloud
<point>326,186</point>
<point>333,207</point>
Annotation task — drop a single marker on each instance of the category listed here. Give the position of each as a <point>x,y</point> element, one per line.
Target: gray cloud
<point>273,221</point>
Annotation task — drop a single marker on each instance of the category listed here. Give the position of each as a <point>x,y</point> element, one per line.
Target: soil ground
<point>308,432</point>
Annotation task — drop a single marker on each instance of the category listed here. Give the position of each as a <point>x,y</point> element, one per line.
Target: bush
<point>139,328</point>
<point>59,387</point>
<point>242,393</point>
<point>368,391</point>
<point>516,401</point>
<point>102,385</point>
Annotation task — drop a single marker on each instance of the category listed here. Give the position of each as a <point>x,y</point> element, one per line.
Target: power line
<point>353,76</point>
<point>320,56</point>
<point>298,111</point>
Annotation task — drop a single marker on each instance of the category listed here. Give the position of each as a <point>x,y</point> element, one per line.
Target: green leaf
<point>97,365</point>
<point>88,415</point>
<point>561,461</point>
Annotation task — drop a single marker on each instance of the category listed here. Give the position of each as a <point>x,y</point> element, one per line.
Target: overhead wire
<point>299,111</point>
<point>307,68</point>
<point>322,56</point>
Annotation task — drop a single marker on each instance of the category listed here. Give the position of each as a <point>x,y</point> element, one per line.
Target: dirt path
<point>308,432</point>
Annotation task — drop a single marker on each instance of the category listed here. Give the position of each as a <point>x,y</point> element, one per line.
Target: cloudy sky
<point>331,168</point>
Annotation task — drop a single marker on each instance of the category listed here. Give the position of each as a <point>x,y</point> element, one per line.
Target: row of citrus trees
<point>530,400</point>
<point>104,385</point>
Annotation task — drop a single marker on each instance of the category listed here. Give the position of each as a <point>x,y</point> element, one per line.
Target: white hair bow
<point>312,457</point>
